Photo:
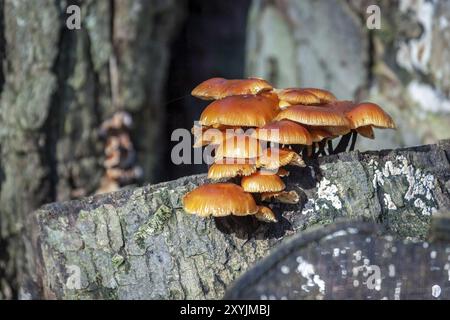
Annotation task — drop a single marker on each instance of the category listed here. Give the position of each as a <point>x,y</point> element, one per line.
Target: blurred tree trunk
<point>57,85</point>
<point>327,43</point>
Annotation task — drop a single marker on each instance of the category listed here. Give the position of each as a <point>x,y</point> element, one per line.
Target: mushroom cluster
<point>255,130</point>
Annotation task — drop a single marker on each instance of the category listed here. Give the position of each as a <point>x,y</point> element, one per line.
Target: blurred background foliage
<point>58,86</point>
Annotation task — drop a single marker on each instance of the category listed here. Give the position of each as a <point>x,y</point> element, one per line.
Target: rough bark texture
<point>326,43</point>
<point>349,261</point>
<point>139,243</point>
<point>57,85</point>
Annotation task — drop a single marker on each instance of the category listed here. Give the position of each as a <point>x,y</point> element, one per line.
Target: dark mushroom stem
<point>343,143</point>
<point>353,143</point>
<point>330,146</point>
<point>321,150</point>
<point>309,151</point>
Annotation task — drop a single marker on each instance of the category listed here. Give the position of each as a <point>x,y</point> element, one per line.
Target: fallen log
<point>349,261</point>
<point>140,244</point>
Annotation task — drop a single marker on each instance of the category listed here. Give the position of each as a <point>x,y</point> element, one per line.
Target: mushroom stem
<point>353,143</point>
<point>309,151</point>
<point>343,143</point>
<point>322,148</point>
<point>330,146</point>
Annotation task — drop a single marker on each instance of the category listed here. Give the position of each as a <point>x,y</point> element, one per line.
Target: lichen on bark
<point>139,243</point>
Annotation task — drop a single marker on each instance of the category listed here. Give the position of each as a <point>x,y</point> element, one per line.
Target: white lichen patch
<point>327,196</point>
<point>285,269</point>
<point>340,233</point>
<point>388,202</point>
<point>306,270</point>
<point>391,270</point>
<point>436,291</point>
<point>420,184</point>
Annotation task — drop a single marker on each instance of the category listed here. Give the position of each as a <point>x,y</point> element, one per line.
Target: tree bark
<point>140,244</point>
<point>57,86</point>
<point>328,44</point>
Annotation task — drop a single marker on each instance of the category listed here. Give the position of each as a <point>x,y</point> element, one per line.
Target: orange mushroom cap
<point>262,182</point>
<point>295,96</point>
<point>218,200</point>
<point>368,113</point>
<point>274,158</point>
<point>265,214</point>
<point>209,135</point>
<point>245,110</point>
<point>223,170</point>
<point>218,88</point>
<point>239,146</point>
<point>313,116</point>
<point>290,197</point>
<point>366,131</point>
<point>325,96</point>
<point>283,132</point>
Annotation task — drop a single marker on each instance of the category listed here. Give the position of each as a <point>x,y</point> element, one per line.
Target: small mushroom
<point>287,197</point>
<point>223,170</point>
<point>265,214</point>
<point>219,200</point>
<point>260,182</point>
<point>367,114</point>
<point>219,88</point>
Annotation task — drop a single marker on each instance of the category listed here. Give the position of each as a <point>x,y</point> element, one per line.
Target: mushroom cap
<point>298,96</point>
<point>274,158</point>
<point>265,214</point>
<point>223,170</point>
<point>283,132</point>
<point>366,131</point>
<point>319,133</point>
<point>262,182</point>
<point>324,96</point>
<point>313,116</point>
<point>209,135</point>
<point>218,88</point>
<point>218,200</point>
<point>368,113</point>
<point>239,146</point>
<point>244,110</point>
<point>290,197</point>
